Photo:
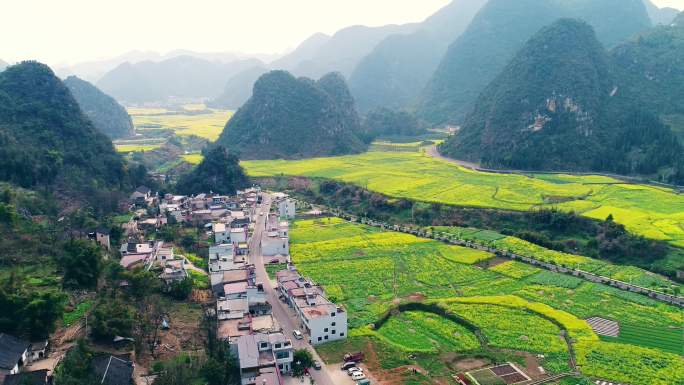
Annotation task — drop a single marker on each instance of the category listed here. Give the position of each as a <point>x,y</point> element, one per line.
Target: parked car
<point>365,381</point>
<point>297,334</point>
<point>348,365</point>
<point>353,370</point>
<point>274,261</point>
<point>356,357</point>
<point>317,365</point>
<point>357,376</point>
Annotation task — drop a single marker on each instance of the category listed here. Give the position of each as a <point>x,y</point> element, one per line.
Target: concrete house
<point>257,352</point>
<point>286,208</point>
<point>238,235</point>
<point>221,234</point>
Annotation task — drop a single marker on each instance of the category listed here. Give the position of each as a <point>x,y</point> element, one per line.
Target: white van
<point>358,376</point>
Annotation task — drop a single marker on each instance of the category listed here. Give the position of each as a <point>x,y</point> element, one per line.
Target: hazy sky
<point>55,31</point>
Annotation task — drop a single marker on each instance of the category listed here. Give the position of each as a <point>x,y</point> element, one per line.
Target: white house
<point>259,352</point>
<point>221,234</point>
<point>238,235</point>
<point>286,208</point>
<point>273,244</point>
<point>321,319</point>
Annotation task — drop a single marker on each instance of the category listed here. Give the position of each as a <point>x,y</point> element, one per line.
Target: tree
<point>219,172</point>
<point>82,264</point>
<point>180,290</point>
<point>148,321</point>
<point>76,368</point>
<point>142,282</point>
<point>110,319</point>
<point>302,359</point>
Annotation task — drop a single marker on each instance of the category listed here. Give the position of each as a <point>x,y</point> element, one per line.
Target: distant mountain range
<point>498,31</point>
<point>341,52</point>
<point>397,69</point>
<point>44,137</point>
<point>288,117</point>
<point>558,105</point>
<point>238,89</point>
<point>107,115</point>
<point>181,77</point>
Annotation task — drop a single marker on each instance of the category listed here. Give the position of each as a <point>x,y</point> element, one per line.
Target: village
<point>270,316</point>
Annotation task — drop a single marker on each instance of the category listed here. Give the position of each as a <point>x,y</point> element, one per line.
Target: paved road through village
<point>282,313</point>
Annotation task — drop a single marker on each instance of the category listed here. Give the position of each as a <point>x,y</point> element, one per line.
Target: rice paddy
<point>656,213</point>
<point>516,307</point>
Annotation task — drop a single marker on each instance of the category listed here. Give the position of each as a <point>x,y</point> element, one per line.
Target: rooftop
<point>11,350</point>
<point>235,288</point>
<point>112,370</point>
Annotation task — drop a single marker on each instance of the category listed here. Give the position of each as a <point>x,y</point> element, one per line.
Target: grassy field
<point>656,213</point>
<point>126,148</point>
<point>191,121</point>
<point>516,307</point>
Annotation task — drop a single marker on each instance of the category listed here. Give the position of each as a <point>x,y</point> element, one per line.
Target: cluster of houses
<point>243,314</point>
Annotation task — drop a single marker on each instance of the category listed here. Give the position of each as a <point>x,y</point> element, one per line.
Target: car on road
<point>317,365</point>
<point>353,370</point>
<point>348,365</point>
<point>297,334</point>
<point>357,376</point>
<point>274,261</point>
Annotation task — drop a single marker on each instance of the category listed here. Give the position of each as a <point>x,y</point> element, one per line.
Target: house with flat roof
<point>257,352</point>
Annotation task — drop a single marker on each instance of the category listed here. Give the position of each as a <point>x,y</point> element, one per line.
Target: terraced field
<point>656,213</point>
<point>516,308</point>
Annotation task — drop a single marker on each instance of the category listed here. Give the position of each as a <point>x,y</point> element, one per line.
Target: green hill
<point>554,107</point>
<point>44,137</point>
<point>498,31</point>
<point>287,117</point>
<point>396,70</point>
<point>107,115</point>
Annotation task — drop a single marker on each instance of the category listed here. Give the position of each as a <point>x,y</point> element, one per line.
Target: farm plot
<point>516,307</point>
<point>653,212</point>
<point>206,124</point>
<point>417,331</point>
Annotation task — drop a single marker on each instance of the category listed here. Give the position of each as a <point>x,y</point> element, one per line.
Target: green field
<point>656,213</point>
<point>515,307</point>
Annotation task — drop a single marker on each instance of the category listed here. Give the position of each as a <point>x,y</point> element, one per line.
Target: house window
<point>333,331</point>
<point>326,337</point>
<point>277,346</point>
<point>332,324</point>
<point>325,330</point>
<point>332,314</point>
<point>282,355</point>
<point>319,338</point>
<point>264,345</point>
<point>341,334</point>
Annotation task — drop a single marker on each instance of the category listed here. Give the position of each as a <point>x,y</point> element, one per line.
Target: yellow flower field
<point>657,213</point>
<point>208,126</point>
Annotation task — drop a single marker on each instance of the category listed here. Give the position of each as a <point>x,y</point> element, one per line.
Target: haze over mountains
<point>498,31</point>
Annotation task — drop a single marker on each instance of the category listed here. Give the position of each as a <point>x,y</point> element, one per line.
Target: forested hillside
<point>498,31</point>
<point>288,117</point>
<point>554,107</point>
<point>396,70</point>
<point>44,137</point>
<point>107,115</point>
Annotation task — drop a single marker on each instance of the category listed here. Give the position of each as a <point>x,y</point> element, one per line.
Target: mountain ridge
<point>288,117</point>
<point>107,115</point>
